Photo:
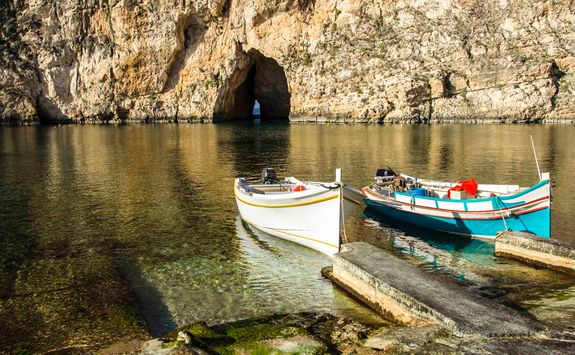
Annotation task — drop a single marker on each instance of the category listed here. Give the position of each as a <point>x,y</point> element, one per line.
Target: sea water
<point>157,200</point>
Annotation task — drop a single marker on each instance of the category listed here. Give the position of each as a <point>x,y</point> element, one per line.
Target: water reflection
<point>460,257</point>
<point>155,204</point>
<point>253,147</point>
<point>473,250</point>
<point>285,277</point>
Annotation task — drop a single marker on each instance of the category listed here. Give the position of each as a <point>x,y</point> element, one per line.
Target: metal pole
<point>535,155</point>
<point>338,179</point>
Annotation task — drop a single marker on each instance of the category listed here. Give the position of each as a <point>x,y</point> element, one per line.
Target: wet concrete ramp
<point>402,292</point>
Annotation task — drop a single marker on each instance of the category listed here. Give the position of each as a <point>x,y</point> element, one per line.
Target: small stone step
<point>535,250</point>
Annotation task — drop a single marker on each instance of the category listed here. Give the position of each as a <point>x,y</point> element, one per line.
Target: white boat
<point>308,213</point>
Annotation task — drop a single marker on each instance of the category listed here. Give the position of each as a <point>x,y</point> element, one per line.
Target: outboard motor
<point>385,176</point>
<point>269,176</point>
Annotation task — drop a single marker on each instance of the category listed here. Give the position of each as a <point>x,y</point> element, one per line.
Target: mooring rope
<point>503,215</point>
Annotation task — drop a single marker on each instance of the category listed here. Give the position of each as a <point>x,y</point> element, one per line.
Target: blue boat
<point>465,208</point>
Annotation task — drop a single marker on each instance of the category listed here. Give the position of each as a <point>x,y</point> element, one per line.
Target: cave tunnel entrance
<point>263,81</point>
<point>256,111</point>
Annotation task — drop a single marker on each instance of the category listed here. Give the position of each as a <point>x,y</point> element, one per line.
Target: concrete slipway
<point>406,294</point>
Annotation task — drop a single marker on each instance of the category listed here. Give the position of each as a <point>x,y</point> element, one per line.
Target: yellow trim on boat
<point>301,236</point>
<point>291,234</point>
<point>282,205</point>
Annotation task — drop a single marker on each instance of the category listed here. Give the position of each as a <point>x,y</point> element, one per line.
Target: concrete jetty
<point>536,250</point>
<point>401,292</point>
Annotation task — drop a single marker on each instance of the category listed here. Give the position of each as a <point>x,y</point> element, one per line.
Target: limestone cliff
<point>344,60</point>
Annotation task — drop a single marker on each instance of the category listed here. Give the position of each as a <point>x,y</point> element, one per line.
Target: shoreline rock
<point>320,333</point>
<point>295,120</point>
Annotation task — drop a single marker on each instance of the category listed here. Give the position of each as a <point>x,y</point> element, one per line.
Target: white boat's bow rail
<point>280,187</point>
<point>281,191</point>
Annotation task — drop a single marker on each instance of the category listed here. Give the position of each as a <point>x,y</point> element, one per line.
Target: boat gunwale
<point>511,209</point>
<point>495,214</point>
<point>485,199</point>
<point>298,194</point>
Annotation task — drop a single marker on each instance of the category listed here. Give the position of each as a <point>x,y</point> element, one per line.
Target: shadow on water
<point>60,275</point>
<point>17,210</point>
<point>474,250</point>
<point>150,300</point>
<point>18,237</point>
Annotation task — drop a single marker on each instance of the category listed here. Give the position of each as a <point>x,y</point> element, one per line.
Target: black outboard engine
<point>269,176</point>
<point>385,176</point>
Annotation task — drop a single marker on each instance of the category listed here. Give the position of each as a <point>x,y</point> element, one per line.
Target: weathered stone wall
<point>345,60</point>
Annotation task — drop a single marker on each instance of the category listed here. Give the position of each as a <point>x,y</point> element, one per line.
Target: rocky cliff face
<point>344,60</point>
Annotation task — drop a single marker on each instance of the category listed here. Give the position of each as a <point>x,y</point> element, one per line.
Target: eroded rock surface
<point>314,60</point>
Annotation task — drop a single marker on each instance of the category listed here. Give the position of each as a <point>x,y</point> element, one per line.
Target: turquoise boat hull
<point>528,210</point>
<point>536,222</point>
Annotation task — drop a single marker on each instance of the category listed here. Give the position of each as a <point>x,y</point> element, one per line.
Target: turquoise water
<point>156,202</point>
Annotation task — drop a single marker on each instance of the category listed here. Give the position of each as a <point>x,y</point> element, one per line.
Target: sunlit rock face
<point>322,60</point>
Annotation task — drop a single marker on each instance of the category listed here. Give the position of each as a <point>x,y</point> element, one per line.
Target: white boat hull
<point>309,218</point>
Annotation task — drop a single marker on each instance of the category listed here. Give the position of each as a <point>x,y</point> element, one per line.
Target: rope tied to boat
<point>502,214</point>
<point>331,187</point>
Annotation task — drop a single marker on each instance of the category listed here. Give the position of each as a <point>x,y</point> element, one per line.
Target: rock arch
<point>256,77</point>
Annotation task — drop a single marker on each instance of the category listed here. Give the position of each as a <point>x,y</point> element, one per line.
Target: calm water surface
<point>158,201</point>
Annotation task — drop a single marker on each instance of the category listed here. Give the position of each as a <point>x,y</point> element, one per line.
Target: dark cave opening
<point>261,79</point>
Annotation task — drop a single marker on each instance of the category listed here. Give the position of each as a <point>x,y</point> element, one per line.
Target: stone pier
<point>403,293</point>
<point>536,250</point>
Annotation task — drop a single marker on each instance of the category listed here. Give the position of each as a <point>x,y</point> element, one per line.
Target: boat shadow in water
<point>429,243</point>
